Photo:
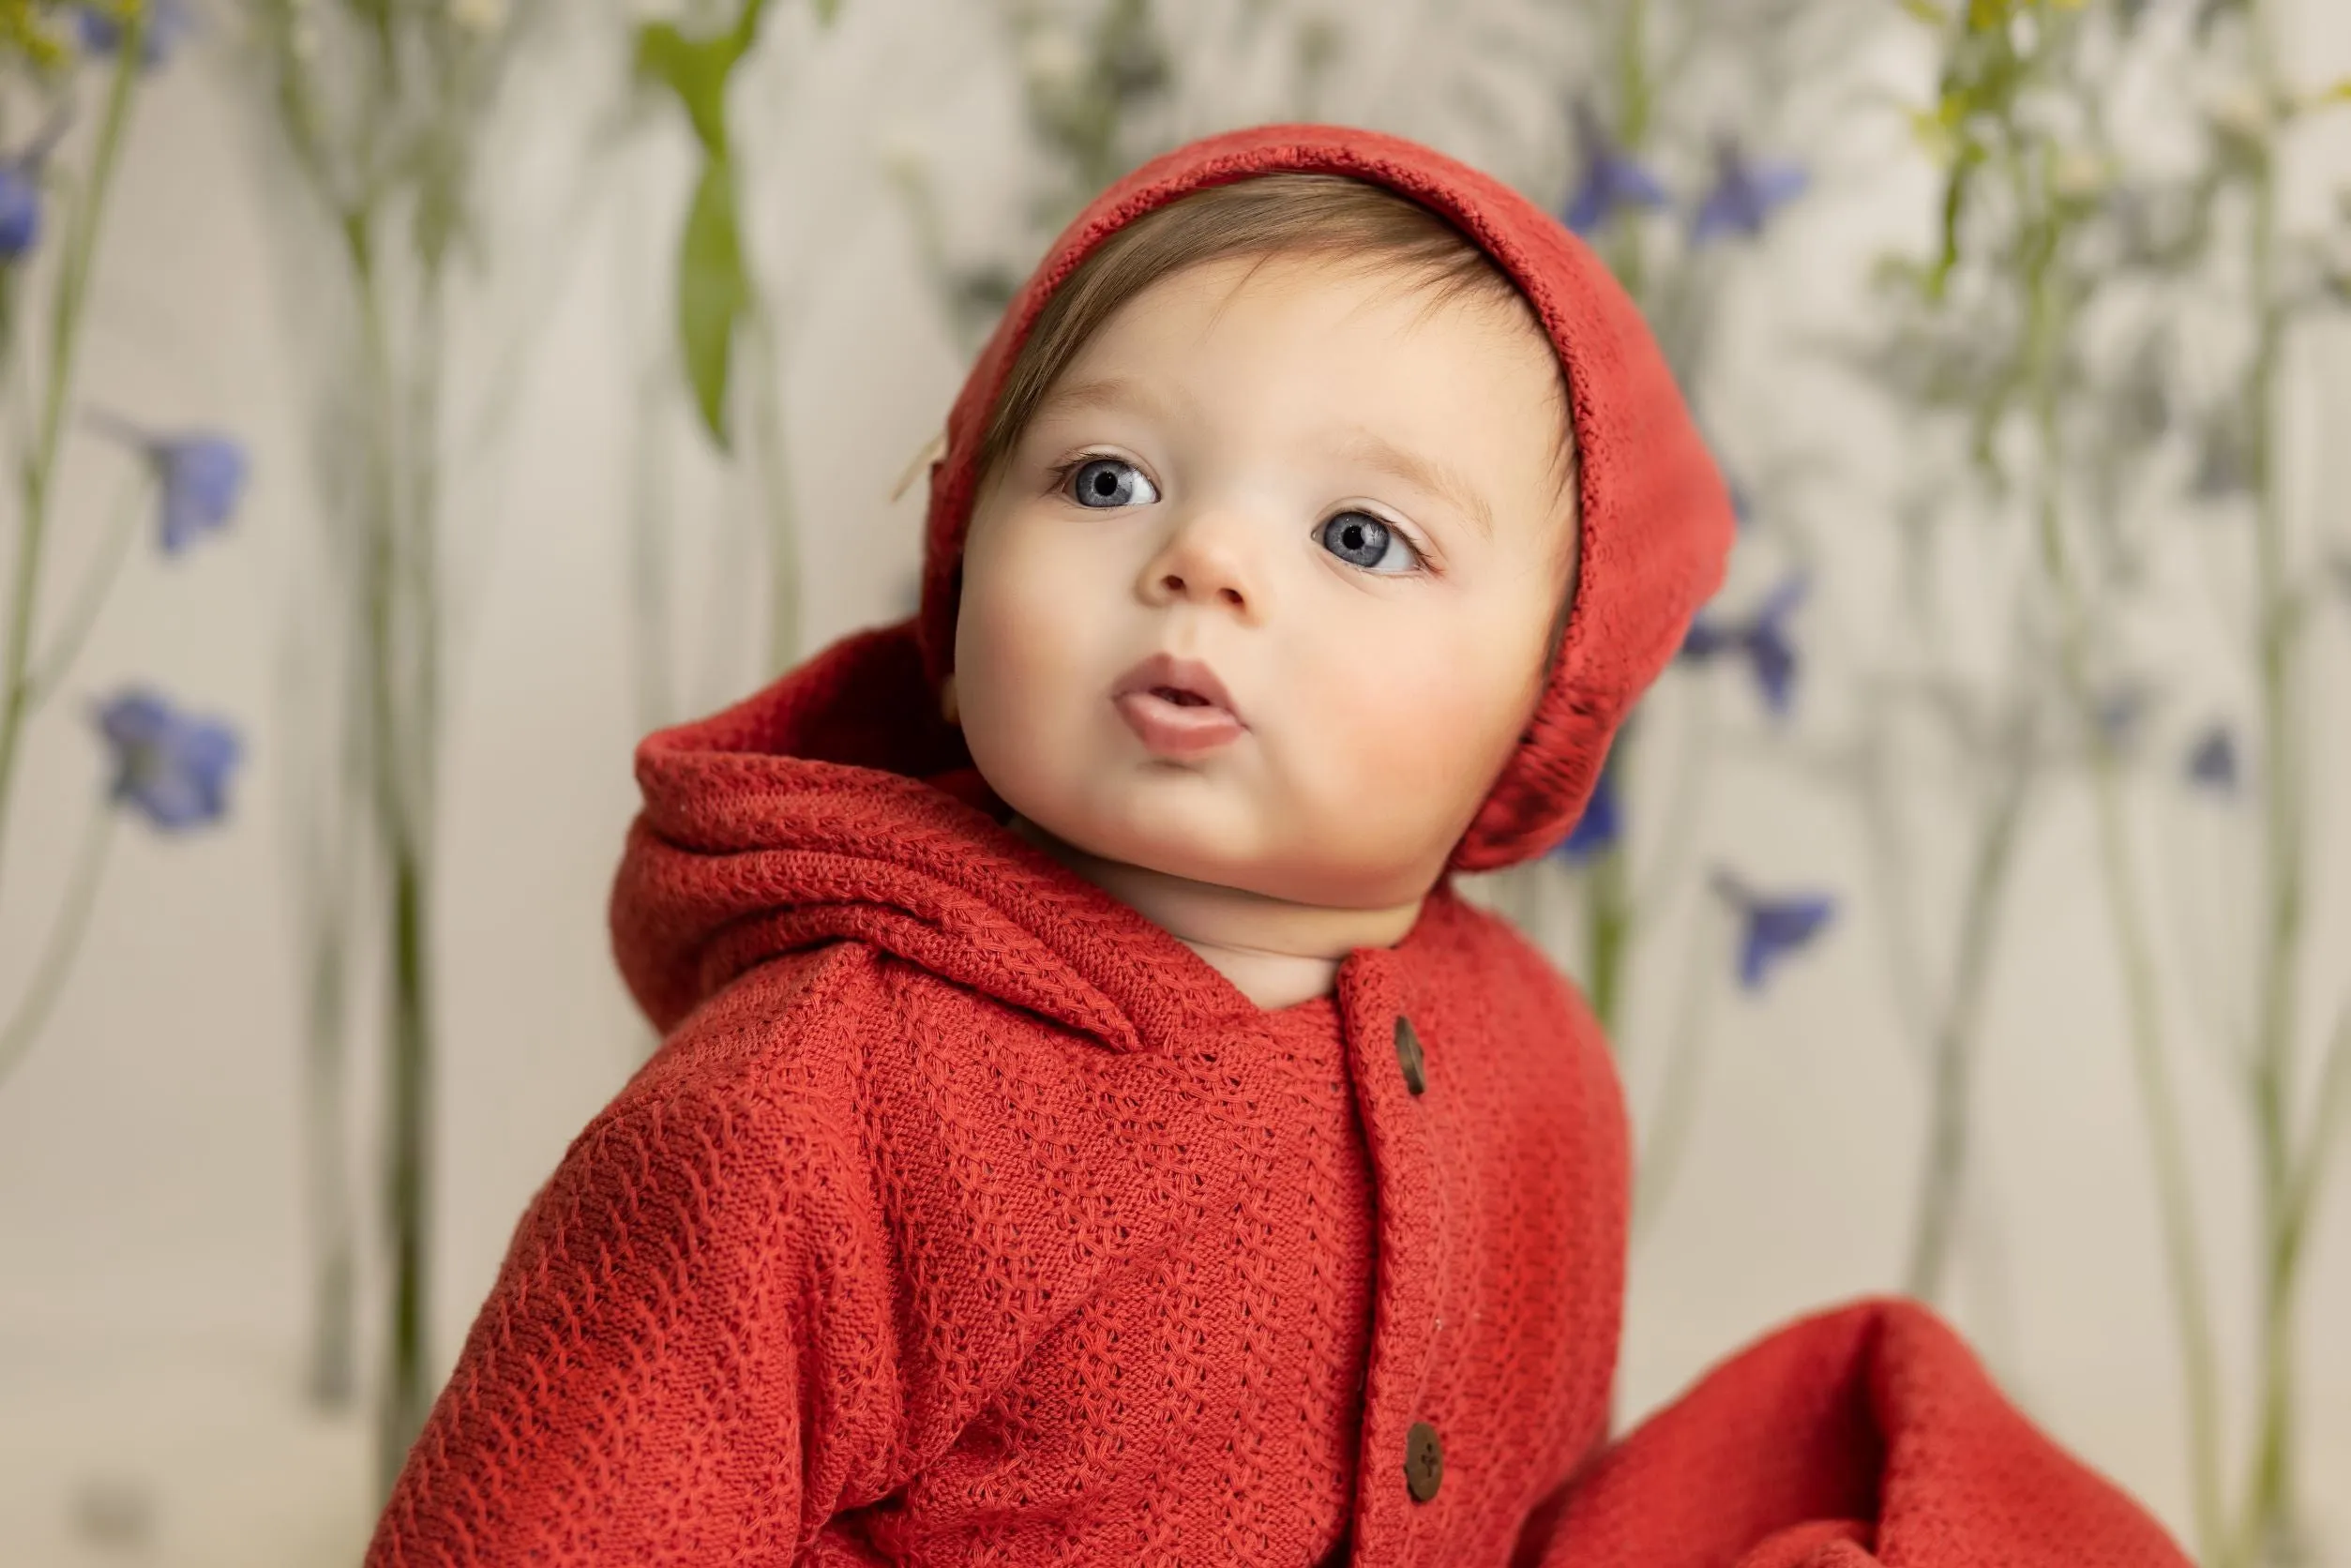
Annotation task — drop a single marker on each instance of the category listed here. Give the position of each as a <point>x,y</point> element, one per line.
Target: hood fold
<point>834,805</point>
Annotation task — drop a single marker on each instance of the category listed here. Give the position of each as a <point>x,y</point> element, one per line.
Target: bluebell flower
<point>1612,177</point>
<point>19,210</point>
<point>1746,192</point>
<point>169,24</point>
<point>1771,928</point>
<point>2212,760</point>
<point>169,767</point>
<point>1599,828</point>
<point>21,201</point>
<point>202,475</point>
<point>1761,639</point>
<point>1743,500</point>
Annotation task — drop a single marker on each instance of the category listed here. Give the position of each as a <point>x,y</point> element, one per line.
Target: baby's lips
<point>1166,670</point>
<point>1176,729</point>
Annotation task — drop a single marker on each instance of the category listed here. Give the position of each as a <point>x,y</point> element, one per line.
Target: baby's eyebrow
<point>1101,393</point>
<point>1447,483</point>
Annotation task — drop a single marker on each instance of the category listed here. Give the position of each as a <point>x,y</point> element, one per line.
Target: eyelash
<point>1061,475</point>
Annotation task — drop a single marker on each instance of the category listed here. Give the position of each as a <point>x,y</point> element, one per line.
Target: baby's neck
<point>1275,952</point>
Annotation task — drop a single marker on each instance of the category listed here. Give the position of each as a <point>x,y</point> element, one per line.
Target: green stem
<point>64,942</point>
<point>1945,1174</point>
<point>2329,1115</point>
<point>334,1330</point>
<point>95,588</point>
<point>2268,1516</point>
<point>2183,1250</point>
<point>1625,252</point>
<point>384,572</point>
<point>68,311</point>
<point>1608,935</point>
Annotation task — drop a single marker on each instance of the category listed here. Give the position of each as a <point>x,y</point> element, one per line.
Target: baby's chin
<point>1150,838</point>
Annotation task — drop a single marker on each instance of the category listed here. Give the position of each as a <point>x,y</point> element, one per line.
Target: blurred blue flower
<point>1746,192</point>
<point>171,768</point>
<point>1771,928</point>
<point>19,210</point>
<point>202,474</point>
<point>20,198</point>
<point>1743,502</point>
<point>1612,178</point>
<point>2121,711</point>
<point>2212,760</point>
<point>169,24</point>
<point>1599,828</point>
<point>1761,639</point>
<point>203,478</point>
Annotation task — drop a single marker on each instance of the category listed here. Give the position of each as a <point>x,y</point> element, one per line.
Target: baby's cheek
<point>1425,740</point>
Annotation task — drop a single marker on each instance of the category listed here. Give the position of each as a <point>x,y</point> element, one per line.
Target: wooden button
<point>1424,1461</point>
<point>1409,1056</point>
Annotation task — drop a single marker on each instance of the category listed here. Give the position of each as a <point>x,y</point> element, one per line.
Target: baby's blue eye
<point>1111,482</point>
<point>1362,540</point>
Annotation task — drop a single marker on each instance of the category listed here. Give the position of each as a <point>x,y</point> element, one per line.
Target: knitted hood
<point>1656,517</point>
<point>837,805</point>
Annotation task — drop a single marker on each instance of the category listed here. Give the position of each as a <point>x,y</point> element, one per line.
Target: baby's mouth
<point>1173,722</point>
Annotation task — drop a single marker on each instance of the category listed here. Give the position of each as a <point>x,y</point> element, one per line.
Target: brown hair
<point>1265,216</point>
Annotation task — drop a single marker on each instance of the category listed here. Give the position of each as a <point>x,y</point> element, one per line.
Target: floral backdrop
<point>407,403</point>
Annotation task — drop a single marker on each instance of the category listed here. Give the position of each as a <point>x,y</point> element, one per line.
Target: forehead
<point>1374,344</point>
<point>1362,361</point>
<point>1340,304</point>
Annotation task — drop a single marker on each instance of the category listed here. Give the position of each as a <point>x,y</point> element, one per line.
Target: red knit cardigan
<point>966,1216</point>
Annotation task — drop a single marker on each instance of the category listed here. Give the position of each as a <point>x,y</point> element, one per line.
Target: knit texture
<point>966,1216</point>
<point>1655,518</point>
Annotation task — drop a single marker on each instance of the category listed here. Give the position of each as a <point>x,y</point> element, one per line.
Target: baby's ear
<point>947,709</point>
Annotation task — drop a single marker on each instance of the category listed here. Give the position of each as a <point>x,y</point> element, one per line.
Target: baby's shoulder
<point>846,1035</point>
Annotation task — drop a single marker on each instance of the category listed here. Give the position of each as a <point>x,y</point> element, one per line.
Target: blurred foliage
<point>28,33</point>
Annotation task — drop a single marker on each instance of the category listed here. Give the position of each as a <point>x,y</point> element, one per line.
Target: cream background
<point>151,1282</point>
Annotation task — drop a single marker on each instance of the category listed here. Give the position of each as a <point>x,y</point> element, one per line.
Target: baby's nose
<point>1202,585</point>
<point>1208,561</point>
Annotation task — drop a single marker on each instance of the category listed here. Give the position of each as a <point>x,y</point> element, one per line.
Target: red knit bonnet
<point>1656,520</point>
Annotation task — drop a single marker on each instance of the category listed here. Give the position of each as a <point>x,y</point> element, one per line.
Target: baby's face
<point>1311,490</point>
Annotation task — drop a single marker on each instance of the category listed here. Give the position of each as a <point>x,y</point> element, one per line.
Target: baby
<point>1090,1129</point>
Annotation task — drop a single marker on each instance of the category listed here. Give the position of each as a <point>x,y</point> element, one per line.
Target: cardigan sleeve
<point>1862,1435</point>
<point>687,1358</point>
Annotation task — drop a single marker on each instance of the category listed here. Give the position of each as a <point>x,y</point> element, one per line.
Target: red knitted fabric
<point>1656,518</point>
<point>966,1216</point>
